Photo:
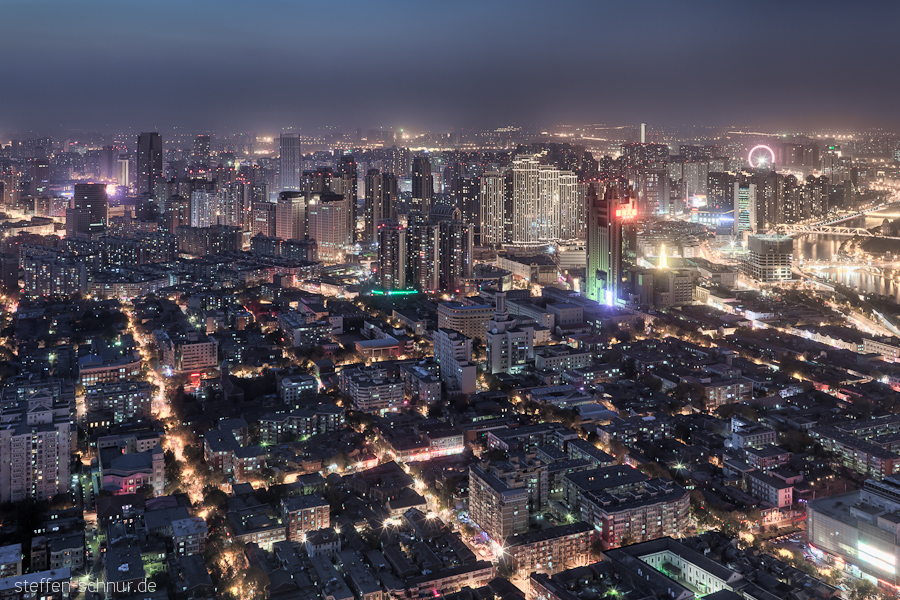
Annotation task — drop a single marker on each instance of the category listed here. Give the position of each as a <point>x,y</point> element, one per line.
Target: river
<point>825,247</point>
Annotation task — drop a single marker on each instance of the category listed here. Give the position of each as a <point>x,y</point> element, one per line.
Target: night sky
<point>442,65</point>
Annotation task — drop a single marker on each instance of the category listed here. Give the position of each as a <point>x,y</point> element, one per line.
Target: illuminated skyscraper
<point>289,161</point>
<point>381,202</point>
<point>329,226</point>
<point>392,255</point>
<point>744,207</point>
<point>91,198</point>
<point>202,148</point>
<point>290,216</point>
<point>347,184</point>
<point>546,203</point>
<point>149,162</point>
<point>422,184</point>
<point>493,208</point>
<point>604,243</point>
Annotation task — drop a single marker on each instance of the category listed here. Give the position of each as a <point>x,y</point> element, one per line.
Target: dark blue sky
<point>464,63</point>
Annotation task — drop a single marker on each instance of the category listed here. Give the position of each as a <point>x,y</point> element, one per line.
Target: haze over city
<point>449,300</point>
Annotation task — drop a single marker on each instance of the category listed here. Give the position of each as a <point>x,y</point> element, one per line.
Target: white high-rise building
<point>329,225</point>
<point>545,202</point>
<point>289,161</point>
<point>493,209</point>
<point>204,208</point>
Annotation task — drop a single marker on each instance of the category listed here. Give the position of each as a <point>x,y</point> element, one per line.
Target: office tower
<point>454,253</point>
<point>290,216</point>
<point>202,148</point>
<point>769,258</point>
<point>265,219</point>
<point>39,174</point>
<point>289,161</point>
<point>347,184</point>
<point>605,243</point>
<point>329,225</point>
<point>35,443</point>
<point>509,346</point>
<point>422,185</point>
<point>149,162</point>
<point>392,256</point>
<point>493,209</point>
<point>643,133</point>
<point>381,201</point>
<point>91,198</point>
<point>204,208</point>
<point>744,207</point>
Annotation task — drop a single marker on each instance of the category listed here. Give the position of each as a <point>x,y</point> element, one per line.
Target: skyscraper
<point>92,200</point>
<point>454,252</point>
<point>493,209</point>
<point>392,257</point>
<point>149,162</point>
<point>202,148</point>
<point>545,202</point>
<point>604,243</point>
<point>744,207</point>
<point>289,161</point>
<point>381,201</point>
<point>349,188</point>
<point>329,226</point>
<point>290,216</point>
<point>422,184</point>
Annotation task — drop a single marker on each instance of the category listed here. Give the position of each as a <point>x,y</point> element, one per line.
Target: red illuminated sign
<point>626,213</point>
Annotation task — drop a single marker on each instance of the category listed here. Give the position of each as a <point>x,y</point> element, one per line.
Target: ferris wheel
<point>761,157</point>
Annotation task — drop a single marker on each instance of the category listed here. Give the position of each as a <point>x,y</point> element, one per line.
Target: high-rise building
<point>392,255</point>
<point>329,225</point>
<point>454,253</point>
<point>509,346</point>
<point>499,510</point>
<point>769,258</point>
<point>744,207</point>
<point>421,252</point>
<point>453,353</point>
<point>652,185</point>
<point>92,198</point>
<point>202,148</point>
<point>9,186</point>
<point>35,443</point>
<point>289,161</point>
<point>605,243</point>
<point>176,212</point>
<point>348,183</point>
<point>39,173</point>
<point>422,184</point>
<point>265,220</point>
<point>290,216</point>
<point>465,195</point>
<point>381,201</point>
<point>204,208</point>
<point>149,162</point>
<point>545,203</point>
<point>493,209</point>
